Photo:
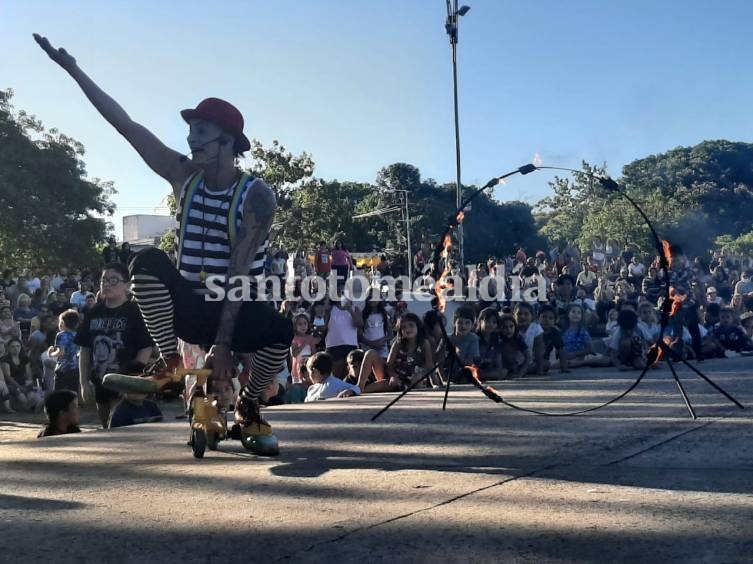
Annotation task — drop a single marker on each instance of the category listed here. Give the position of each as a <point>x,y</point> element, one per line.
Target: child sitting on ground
<point>465,342</point>
<point>134,409</point>
<point>746,320</point>
<point>627,347</point>
<point>578,344</point>
<point>433,323</point>
<point>303,346</point>
<point>612,322</point>
<point>490,345</point>
<point>63,416</point>
<point>515,353</point>
<point>529,330</point>
<point>319,320</point>
<point>647,322</point>
<point>366,369</point>
<point>728,336</point>
<point>65,352</point>
<point>552,341</point>
<point>324,384</point>
<point>410,355</point>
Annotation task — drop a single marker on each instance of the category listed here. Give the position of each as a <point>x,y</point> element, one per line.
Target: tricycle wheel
<point>212,441</point>
<point>198,443</point>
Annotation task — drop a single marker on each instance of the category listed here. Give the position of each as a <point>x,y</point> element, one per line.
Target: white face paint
<point>203,139</point>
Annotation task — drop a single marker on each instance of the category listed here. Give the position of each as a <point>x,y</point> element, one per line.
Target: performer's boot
<point>255,433</point>
<point>163,373</point>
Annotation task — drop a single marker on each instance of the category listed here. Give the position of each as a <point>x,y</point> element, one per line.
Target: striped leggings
<point>172,310</point>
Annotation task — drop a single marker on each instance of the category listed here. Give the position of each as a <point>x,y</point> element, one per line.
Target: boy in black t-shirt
<point>113,338</point>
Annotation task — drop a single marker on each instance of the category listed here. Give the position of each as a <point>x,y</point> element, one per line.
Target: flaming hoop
<point>671,305</point>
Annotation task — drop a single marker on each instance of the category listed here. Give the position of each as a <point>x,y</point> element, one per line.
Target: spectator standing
<point>341,262</point>
<point>125,255</point>
<point>65,352</point>
<point>323,261</point>
<point>113,338</point>
<point>343,323</point>
<point>110,253</point>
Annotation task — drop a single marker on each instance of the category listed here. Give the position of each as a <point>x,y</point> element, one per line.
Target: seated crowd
<point>602,311</point>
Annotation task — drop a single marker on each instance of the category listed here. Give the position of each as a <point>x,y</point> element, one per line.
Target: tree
<point>52,214</point>
<point>286,174</point>
<point>326,209</point>
<point>742,245</point>
<point>579,210</point>
<point>700,192</point>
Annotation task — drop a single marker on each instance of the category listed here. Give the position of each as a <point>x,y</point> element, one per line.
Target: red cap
<point>223,114</point>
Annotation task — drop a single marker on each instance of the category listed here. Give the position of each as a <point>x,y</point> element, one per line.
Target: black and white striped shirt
<point>206,243</point>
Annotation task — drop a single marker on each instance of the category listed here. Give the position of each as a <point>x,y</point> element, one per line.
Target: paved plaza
<point>638,481</point>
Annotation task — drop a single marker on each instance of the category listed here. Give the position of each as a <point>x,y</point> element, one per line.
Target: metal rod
<point>458,195</point>
<point>412,385</point>
<point>449,379</point>
<point>679,386</point>
<point>410,251</point>
<point>713,384</point>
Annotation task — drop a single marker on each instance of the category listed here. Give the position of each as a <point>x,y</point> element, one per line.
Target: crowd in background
<point>601,308</point>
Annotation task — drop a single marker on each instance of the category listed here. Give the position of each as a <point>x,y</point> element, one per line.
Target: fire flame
<point>659,351</point>
<point>490,392</point>
<point>442,283</point>
<point>461,216</point>
<point>667,248</point>
<point>537,161</point>
<point>677,300</point>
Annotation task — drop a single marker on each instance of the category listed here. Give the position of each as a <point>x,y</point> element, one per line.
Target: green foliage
<point>698,193</point>
<point>579,210</point>
<point>692,195</point>
<point>172,205</point>
<point>51,211</point>
<point>167,242</point>
<point>742,245</point>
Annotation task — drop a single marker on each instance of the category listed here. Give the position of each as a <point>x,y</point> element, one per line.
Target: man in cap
<point>225,217</point>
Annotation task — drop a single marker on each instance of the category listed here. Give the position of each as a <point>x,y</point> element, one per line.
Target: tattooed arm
<point>258,213</point>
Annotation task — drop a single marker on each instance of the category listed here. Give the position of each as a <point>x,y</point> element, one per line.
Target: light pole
<point>407,229</point>
<point>451,27</point>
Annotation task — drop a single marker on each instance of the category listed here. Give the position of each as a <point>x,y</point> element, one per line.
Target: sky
<point>362,84</point>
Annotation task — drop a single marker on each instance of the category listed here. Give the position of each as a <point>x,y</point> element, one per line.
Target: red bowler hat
<point>225,115</point>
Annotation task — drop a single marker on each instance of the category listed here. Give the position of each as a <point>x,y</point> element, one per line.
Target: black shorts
<point>196,319</point>
<point>66,379</point>
<point>340,352</point>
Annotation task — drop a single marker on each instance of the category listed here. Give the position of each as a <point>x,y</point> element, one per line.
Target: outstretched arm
<point>258,213</point>
<point>161,159</point>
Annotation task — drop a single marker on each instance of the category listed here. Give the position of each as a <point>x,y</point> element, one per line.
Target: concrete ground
<point>638,481</point>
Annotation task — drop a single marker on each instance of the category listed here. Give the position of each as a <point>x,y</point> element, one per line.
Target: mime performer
<point>225,218</point>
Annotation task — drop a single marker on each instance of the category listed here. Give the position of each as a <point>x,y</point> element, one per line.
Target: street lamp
<point>451,27</point>
<point>407,229</point>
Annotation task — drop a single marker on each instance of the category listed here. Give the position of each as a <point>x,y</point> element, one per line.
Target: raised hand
<point>60,56</point>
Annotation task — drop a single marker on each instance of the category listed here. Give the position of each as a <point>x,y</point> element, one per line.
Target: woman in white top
<point>343,323</point>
